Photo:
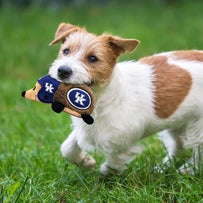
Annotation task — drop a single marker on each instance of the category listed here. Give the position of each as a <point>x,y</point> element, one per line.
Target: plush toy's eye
<point>45,97</point>
<point>34,88</point>
<point>92,59</point>
<point>65,51</point>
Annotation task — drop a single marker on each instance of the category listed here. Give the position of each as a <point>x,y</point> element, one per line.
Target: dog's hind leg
<point>195,140</point>
<point>195,163</point>
<point>73,153</point>
<point>173,141</point>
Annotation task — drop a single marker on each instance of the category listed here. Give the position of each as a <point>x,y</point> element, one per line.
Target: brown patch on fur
<point>120,45</point>
<point>107,49</point>
<point>101,71</point>
<point>172,85</point>
<point>189,55</point>
<point>63,31</point>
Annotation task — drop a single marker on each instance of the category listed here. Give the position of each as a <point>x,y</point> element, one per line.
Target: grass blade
<point>1,194</point>
<point>21,189</point>
<point>76,173</point>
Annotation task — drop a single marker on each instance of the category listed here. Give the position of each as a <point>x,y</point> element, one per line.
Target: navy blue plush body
<point>48,87</point>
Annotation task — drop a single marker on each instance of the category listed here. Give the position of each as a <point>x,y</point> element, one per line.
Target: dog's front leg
<point>116,163</point>
<point>73,153</point>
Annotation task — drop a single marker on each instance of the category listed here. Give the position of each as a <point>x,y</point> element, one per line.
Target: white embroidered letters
<point>80,98</point>
<point>49,87</point>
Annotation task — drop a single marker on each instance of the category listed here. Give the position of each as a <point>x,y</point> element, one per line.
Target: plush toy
<point>77,100</point>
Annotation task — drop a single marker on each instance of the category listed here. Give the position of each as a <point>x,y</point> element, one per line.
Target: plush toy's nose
<point>64,72</point>
<point>23,93</point>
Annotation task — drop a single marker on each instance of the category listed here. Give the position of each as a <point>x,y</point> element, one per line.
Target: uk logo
<point>49,87</point>
<point>79,98</point>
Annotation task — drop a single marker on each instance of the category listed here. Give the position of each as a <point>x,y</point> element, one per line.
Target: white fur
<point>124,114</point>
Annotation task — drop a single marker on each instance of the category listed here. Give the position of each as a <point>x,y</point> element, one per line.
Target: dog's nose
<point>64,72</point>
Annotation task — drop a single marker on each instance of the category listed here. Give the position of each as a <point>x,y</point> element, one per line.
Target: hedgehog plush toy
<point>77,100</point>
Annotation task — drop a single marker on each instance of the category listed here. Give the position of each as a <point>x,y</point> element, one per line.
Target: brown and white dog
<point>134,99</point>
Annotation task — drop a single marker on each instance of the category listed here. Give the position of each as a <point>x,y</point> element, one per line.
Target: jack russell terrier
<point>133,99</point>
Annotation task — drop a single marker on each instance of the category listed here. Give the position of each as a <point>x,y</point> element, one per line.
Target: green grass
<point>32,168</point>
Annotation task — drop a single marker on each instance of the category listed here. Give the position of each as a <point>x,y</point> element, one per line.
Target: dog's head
<point>85,58</point>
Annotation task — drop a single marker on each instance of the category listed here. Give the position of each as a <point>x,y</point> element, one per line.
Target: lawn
<point>32,168</point>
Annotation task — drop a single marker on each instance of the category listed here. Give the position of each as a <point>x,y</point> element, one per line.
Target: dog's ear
<point>63,31</point>
<point>120,45</point>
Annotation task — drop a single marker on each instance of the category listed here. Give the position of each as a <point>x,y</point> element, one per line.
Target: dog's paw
<point>88,162</point>
<point>188,168</point>
<point>164,165</point>
<point>106,170</point>
<point>161,168</point>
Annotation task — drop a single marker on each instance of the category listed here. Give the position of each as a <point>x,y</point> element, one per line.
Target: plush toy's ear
<point>63,31</point>
<point>120,45</point>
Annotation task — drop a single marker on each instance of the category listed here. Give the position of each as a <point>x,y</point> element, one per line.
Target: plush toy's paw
<point>87,119</point>
<point>57,107</point>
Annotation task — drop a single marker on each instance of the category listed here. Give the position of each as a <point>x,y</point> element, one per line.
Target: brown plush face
<point>62,96</point>
<point>32,93</point>
<point>85,58</point>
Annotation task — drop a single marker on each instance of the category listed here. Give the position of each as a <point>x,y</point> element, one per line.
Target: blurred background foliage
<point>27,27</point>
<point>60,3</point>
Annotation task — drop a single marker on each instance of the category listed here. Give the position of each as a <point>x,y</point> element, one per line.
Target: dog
<point>161,94</point>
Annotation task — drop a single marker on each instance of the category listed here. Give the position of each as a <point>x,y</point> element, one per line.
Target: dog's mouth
<point>67,81</point>
<point>89,84</point>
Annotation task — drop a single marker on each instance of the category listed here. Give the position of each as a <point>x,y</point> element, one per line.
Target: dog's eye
<point>92,59</point>
<point>34,88</point>
<point>65,51</point>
